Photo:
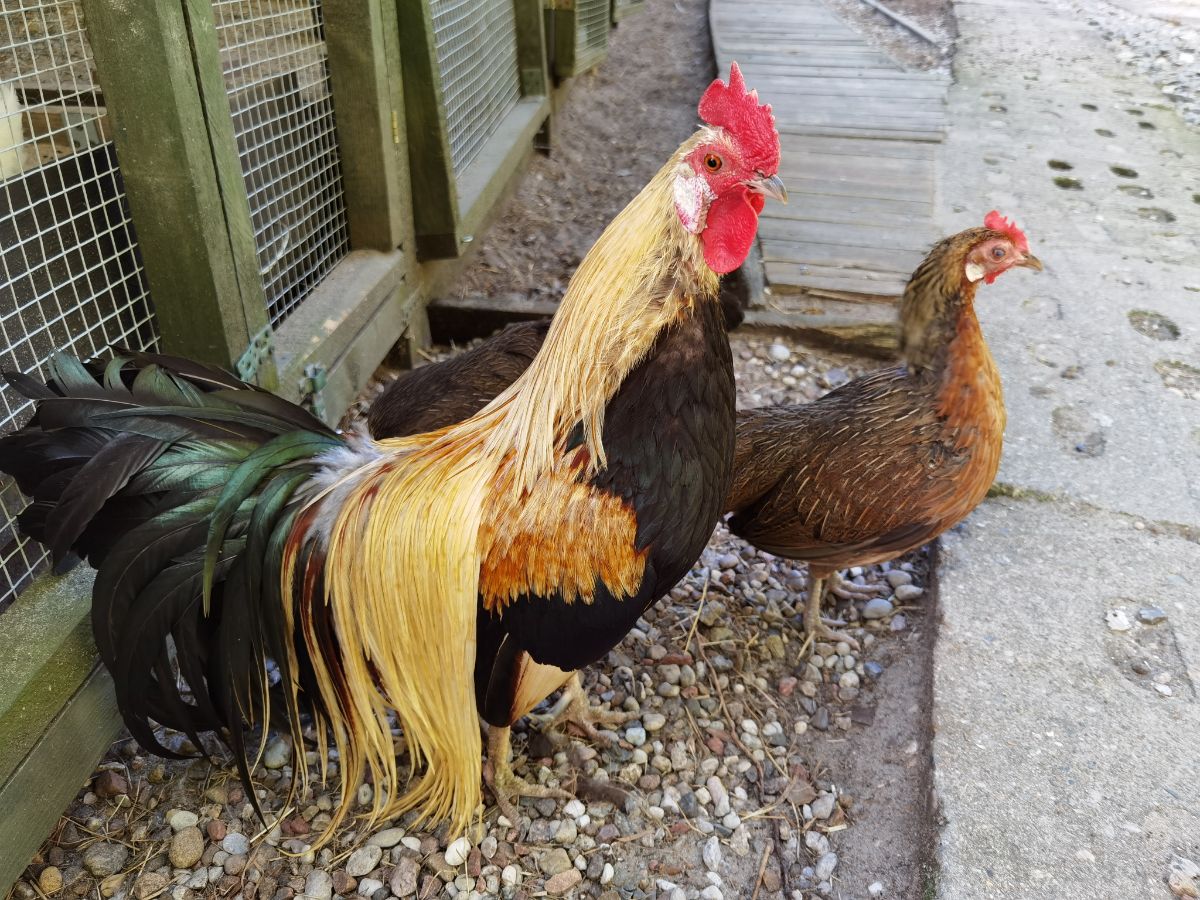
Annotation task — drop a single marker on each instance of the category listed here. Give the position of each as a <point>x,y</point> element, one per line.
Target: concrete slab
<point>1089,412</point>
<point>1061,771</point>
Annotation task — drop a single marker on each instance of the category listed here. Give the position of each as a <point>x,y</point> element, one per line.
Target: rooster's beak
<point>1031,262</point>
<point>769,186</point>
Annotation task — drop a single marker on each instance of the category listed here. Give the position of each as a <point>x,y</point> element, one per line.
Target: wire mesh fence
<point>592,24</point>
<point>476,44</point>
<point>275,63</point>
<point>72,277</point>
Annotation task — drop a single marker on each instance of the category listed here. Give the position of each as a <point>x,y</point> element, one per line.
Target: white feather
<point>341,469</point>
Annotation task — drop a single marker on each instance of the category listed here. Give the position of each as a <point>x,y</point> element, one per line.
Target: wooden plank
<point>171,178</point>
<point>934,136</point>
<point>346,325</point>
<point>57,715</point>
<point>817,145</point>
<point>873,259</point>
<point>820,206</point>
<point>61,760</point>
<point>857,234</point>
<point>370,147</point>
<point>785,275</point>
<point>434,193</point>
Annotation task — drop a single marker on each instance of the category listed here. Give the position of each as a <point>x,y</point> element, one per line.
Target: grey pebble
<point>363,860</point>
<point>712,853</point>
<point>825,866</point>
<point>877,608</point>
<point>236,844</point>
<point>1151,615</point>
<point>318,885</point>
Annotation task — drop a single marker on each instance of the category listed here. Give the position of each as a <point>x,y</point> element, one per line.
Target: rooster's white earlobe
<point>974,271</point>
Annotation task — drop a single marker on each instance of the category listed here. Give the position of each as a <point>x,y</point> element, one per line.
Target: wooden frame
<point>623,8</point>
<point>449,209</point>
<point>570,58</point>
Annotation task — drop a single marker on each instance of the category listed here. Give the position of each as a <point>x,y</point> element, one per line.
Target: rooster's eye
<point>713,163</point>
<point>998,252</point>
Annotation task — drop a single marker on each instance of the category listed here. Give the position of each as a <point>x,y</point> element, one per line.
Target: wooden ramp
<point>859,137</point>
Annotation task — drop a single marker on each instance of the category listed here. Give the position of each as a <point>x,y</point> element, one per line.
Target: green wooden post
<point>179,162</point>
<point>531,48</point>
<point>368,122</point>
<point>434,193</point>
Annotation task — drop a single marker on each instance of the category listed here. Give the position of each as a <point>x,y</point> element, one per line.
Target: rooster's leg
<point>814,625</point>
<point>573,706</point>
<point>847,590</point>
<point>504,782</point>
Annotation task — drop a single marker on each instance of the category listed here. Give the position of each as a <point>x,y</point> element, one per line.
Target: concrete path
<point>1067,753</point>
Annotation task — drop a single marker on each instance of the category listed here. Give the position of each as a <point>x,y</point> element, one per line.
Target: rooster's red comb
<point>997,222</point>
<point>732,107</point>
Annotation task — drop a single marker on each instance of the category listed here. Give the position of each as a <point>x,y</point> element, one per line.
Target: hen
<point>890,460</point>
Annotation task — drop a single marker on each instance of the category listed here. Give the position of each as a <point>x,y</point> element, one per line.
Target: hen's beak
<point>769,186</point>
<point>1031,262</point>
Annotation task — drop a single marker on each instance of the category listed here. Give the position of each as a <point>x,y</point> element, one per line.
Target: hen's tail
<point>181,485</point>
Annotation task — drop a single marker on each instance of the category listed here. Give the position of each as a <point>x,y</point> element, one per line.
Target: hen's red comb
<point>732,107</point>
<point>997,222</point>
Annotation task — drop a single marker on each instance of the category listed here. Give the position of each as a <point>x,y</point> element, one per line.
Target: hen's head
<point>995,248</point>
<point>729,169</point>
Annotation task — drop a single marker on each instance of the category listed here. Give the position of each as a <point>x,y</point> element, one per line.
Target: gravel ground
<point>1167,53</point>
<point>935,16</point>
<point>742,774</point>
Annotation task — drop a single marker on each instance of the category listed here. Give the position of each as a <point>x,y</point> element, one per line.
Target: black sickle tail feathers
<point>180,484</point>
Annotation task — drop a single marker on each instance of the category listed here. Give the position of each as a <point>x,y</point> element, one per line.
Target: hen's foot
<point>574,708</point>
<point>504,783</point>
<point>817,628</point>
<point>848,590</point>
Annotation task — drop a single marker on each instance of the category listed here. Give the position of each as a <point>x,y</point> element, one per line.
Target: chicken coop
<point>274,186</point>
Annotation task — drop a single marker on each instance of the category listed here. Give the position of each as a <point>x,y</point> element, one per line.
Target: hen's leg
<point>847,590</point>
<point>573,707</point>
<point>815,627</point>
<point>504,782</point>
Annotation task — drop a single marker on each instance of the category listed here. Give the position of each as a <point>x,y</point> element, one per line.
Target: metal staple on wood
<point>274,59</point>
<point>476,47</point>
<point>72,278</point>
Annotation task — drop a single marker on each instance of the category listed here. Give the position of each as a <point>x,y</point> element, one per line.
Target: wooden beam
<point>190,224</point>
<point>57,712</point>
<point>434,193</point>
<point>368,123</point>
<point>344,329</point>
<point>531,48</point>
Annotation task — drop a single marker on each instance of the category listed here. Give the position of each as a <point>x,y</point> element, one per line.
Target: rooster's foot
<point>573,707</point>
<point>848,590</point>
<point>505,784</point>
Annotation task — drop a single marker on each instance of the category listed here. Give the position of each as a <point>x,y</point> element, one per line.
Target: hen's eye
<point>713,163</point>
<point>998,252</point>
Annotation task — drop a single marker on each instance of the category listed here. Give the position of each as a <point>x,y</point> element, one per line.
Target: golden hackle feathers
<point>402,535</point>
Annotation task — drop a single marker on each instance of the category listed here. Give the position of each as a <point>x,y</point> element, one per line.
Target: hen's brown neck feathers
<point>937,297</point>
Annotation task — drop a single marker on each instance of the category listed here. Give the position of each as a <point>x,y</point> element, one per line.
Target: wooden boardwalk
<point>859,138</point>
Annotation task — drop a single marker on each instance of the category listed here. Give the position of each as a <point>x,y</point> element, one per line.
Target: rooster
<point>890,460</point>
<point>869,471</point>
<point>423,579</point>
